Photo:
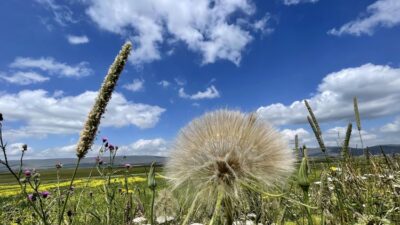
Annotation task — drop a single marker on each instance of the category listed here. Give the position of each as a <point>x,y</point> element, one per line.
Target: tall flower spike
<point>227,152</point>
<point>92,123</point>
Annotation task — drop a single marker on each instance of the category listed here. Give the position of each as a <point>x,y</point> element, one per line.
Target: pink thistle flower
<point>32,197</point>
<point>27,173</point>
<point>127,165</point>
<point>45,194</point>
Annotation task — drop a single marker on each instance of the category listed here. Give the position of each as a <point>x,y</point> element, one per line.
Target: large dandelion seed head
<point>228,149</point>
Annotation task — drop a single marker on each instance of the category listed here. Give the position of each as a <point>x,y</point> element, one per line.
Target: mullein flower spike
<point>92,123</point>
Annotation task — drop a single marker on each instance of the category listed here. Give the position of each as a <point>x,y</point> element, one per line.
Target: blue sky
<point>190,57</point>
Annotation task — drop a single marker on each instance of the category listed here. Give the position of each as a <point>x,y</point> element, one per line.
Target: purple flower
<point>1,117</point>
<point>32,197</point>
<point>45,194</point>
<point>24,147</point>
<point>104,139</point>
<point>111,147</point>
<point>127,165</point>
<point>28,173</point>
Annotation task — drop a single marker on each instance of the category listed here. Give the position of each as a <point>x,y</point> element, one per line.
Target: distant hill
<point>135,160</point>
<point>374,150</point>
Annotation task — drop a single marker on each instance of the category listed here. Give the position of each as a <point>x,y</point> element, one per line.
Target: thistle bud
<point>1,117</point>
<point>27,173</point>
<point>302,178</point>
<point>151,180</point>
<point>32,197</point>
<point>127,165</point>
<point>59,165</point>
<point>24,147</point>
<point>45,194</point>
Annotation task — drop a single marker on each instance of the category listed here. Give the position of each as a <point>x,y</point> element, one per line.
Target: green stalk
<point>191,210</point>
<point>217,209</point>
<point>308,211</point>
<point>153,196</point>
<point>61,216</point>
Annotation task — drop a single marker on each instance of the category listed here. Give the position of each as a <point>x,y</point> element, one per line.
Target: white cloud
<point>210,93</point>
<point>392,127</point>
<point>295,2</point>
<point>157,146</point>
<point>42,114</point>
<point>15,149</point>
<point>52,67</point>
<point>262,25</point>
<point>376,86</point>
<point>202,25</point>
<point>62,14</point>
<point>76,40</point>
<point>164,83</point>
<point>24,78</point>
<point>382,13</point>
<point>136,85</point>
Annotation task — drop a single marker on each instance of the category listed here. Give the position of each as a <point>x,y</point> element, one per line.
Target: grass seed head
<point>93,121</point>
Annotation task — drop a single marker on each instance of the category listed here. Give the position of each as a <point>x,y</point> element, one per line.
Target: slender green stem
<point>191,210</point>
<point>217,208</point>
<point>61,216</point>
<point>308,211</point>
<point>153,196</point>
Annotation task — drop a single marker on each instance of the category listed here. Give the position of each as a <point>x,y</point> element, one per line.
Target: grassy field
<point>370,195</point>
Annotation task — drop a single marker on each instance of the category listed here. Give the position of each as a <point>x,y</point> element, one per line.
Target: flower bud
<point>302,178</point>
<point>151,181</point>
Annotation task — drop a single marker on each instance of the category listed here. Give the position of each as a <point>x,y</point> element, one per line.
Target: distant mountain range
<point>138,160</point>
<point>336,151</point>
<point>135,160</point>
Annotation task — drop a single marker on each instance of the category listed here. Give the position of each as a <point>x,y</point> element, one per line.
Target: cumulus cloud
<point>14,150</point>
<point>136,85</point>
<point>23,78</point>
<point>295,2</point>
<point>392,127</point>
<point>376,86</point>
<point>52,67</point>
<point>382,13</point>
<point>76,40</point>
<point>157,147</point>
<point>154,147</point>
<point>201,25</point>
<point>210,93</point>
<point>42,114</point>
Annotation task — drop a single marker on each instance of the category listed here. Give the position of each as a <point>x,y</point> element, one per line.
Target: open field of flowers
<point>226,167</point>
